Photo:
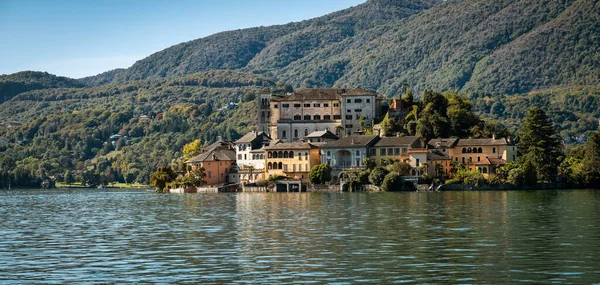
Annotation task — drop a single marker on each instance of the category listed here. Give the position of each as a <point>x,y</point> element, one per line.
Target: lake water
<point>91,236</point>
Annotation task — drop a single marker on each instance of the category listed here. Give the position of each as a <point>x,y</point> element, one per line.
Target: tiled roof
<point>323,94</point>
<point>497,161</point>
<point>251,136</point>
<point>322,134</point>
<point>442,143</point>
<point>352,141</point>
<point>214,155</point>
<point>290,146</point>
<point>481,142</point>
<point>437,156</point>
<point>399,141</point>
<point>220,144</point>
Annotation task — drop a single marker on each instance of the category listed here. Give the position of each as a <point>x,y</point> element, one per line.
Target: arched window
<point>307,117</point>
<point>291,154</point>
<point>274,154</point>
<point>316,130</point>
<point>269,165</point>
<point>317,117</point>
<point>280,154</point>
<point>285,154</point>
<point>358,153</point>
<point>297,117</point>
<point>493,150</point>
<point>469,150</point>
<point>295,133</point>
<point>485,170</point>
<point>480,150</point>
<point>280,166</point>
<point>326,117</point>
<point>305,132</point>
<point>269,155</point>
<point>464,150</point>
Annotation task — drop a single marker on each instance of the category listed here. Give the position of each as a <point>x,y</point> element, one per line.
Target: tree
<point>191,149</point>
<point>161,177</point>
<point>320,174</point>
<point>540,144</point>
<point>370,163</point>
<point>591,161</point>
<point>377,175</point>
<point>401,168</point>
<point>392,182</point>
<point>69,178</point>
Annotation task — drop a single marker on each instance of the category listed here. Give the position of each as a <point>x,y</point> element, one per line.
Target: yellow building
<point>291,159</point>
<point>484,155</point>
<point>410,149</point>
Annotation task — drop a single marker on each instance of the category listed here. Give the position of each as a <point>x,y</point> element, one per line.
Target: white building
<point>250,157</point>
<point>359,105</point>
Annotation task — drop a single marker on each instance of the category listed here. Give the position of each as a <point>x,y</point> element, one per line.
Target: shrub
<point>377,175</point>
<point>320,174</point>
<point>392,182</point>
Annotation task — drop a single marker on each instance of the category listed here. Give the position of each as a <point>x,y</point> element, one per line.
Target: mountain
<point>13,84</point>
<point>501,46</point>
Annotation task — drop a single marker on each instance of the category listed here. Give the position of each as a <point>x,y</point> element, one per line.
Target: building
<point>291,116</point>
<point>250,155</point>
<point>410,149</point>
<point>305,111</point>
<point>484,155</point>
<point>359,108</point>
<point>320,136</point>
<point>217,160</point>
<point>294,160</point>
<point>347,153</point>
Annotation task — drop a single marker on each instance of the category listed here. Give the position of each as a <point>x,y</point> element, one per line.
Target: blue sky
<point>78,38</point>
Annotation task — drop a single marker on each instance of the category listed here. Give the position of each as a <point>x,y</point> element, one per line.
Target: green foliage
<point>392,182</point>
<point>320,174</point>
<point>400,167</point>
<point>14,84</point>
<point>68,178</point>
<point>464,176</point>
<point>377,175</point>
<point>162,177</point>
<point>275,178</point>
<point>370,163</point>
<point>540,145</point>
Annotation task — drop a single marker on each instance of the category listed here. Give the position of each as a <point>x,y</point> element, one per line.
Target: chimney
<point>494,136</point>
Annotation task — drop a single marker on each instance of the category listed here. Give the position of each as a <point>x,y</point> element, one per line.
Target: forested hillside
<point>503,46</point>
<point>13,84</point>
<point>504,55</point>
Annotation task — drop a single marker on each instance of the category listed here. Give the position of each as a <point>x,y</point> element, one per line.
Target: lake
<point>104,236</point>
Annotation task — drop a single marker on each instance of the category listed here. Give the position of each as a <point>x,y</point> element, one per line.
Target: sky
<point>78,38</point>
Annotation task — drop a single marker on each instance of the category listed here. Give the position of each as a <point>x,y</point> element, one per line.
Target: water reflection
<point>338,238</point>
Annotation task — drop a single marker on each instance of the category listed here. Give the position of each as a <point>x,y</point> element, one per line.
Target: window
<point>358,153</point>
<point>306,105</point>
<point>382,151</point>
<point>418,163</point>
<point>373,151</point>
<point>297,117</point>
<point>397,151</point>
<point>336,104</point>
<point>328,153</point>
<point>349,111</point>
<point>404,150</point>
<point>316,105</point>
<point>357,110</point>
<point>245,156</point>
<point>285,105</point>
<point>349,101</point>
<point>317,117</point>
<point>478,159</point>
<point>349,126</point>
<point>326,117</point>
<point>295,133</point>
<point>284,134</point>
<point>390,151</point>
<point>325,105</point>
<point>493,150</point>
<point>297,105</point>
<point>368,100</point>
<point>348,117</point>
<point>305,132</point>
<point>337,117</point>
<point>240,156</point>
<point>358,116</point>
<point>307,117</point>
<point>357,100</point>
<point>275,106</point>
<point>209,174</point>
